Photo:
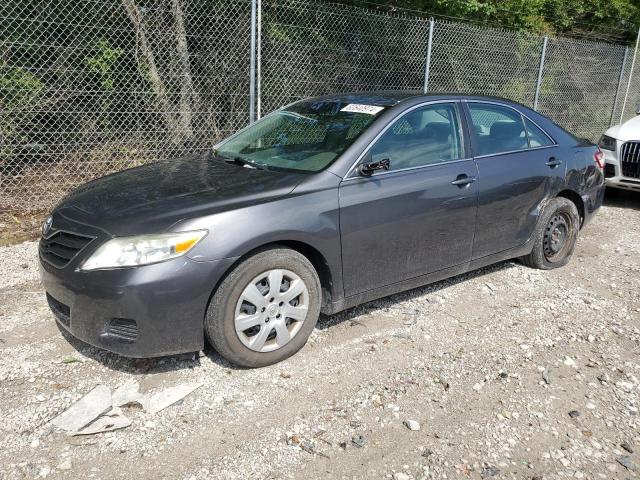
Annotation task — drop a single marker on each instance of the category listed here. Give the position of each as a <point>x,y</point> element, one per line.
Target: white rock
<point>626,386</point>
<point>401,476</point>
<point>569,362</point>
<point>412,424</point>
<point>66,465</point>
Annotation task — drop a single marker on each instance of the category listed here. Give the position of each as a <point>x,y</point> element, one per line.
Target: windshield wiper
<point>240,161</point>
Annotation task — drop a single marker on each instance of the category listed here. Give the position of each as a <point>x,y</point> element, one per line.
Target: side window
<point>424,136</point>
<point>497,129</point>
<point>537,138</point>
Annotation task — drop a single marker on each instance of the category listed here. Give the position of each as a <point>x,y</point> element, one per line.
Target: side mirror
<point>638,109</point>
<point>367,169</point>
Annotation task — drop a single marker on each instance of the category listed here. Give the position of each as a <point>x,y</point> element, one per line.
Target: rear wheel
<point>265,309</point>
<point>555,236</point>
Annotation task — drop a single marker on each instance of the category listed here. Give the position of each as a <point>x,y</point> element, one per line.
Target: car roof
<point>388,98</point>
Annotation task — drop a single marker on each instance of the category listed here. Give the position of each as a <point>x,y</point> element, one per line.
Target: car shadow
<point>327,321</point>
<point>159,365</point>
<point>615,197</point>
<point>138,366</point>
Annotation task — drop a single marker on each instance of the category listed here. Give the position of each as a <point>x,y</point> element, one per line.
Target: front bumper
<point>613,171</point>
<point>625,183</point>
<point>146,311</point>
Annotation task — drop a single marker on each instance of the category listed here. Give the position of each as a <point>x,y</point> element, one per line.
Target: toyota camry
<point>320,206</point>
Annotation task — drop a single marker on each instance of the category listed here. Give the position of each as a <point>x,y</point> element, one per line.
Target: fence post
<point>259,62</point>
<point>428,66</point>
<point>615,99</point>
<point>633,62</point>
<point>252,64</point>
<point>540,70</point>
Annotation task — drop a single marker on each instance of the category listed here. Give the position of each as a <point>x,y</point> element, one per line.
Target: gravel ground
<point>506,372</point>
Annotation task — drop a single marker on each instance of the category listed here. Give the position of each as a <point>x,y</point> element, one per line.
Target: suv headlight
<point>142,249</point>
<point>607,143</point>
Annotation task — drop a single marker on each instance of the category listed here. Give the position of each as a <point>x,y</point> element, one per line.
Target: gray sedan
<point>320,206</point>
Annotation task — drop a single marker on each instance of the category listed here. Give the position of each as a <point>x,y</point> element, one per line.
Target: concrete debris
<point>99,411</point>
<point>85,410</point>
<point>129,393</point>
<point>169,396</point>
<point>112,420</point>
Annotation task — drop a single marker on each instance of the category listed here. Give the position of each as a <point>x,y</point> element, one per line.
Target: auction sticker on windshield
<point>359,108</point>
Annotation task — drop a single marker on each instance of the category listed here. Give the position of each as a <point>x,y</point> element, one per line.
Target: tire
<point>560,214</point>
<point>263,343</point>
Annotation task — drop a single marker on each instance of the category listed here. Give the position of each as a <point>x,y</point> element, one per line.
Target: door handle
<point>463,180</point>
<point>553,162</point>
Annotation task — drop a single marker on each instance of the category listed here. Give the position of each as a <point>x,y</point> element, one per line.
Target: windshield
<point>305,137</point>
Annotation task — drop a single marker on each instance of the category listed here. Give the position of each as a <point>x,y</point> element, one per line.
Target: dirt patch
<point>20,227</point>
<point>509,372</point>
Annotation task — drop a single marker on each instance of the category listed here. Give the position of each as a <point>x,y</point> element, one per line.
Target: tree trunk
<point>188,96</point>
<point>158,86</point>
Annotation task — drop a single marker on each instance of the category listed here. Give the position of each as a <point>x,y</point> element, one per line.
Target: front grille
<point>630,159</point>
<point>60,310</point>
<point>123,329</point>
<point>61,247</point>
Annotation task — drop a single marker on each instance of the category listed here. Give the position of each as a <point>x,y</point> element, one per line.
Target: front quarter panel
<point>309,215</point>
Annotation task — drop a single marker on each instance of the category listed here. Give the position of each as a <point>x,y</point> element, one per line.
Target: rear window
<point>497,129</point>
<point>537,137</point>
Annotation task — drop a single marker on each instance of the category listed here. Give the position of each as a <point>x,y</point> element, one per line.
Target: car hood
<point>153,197</point>
<point>629,130</point>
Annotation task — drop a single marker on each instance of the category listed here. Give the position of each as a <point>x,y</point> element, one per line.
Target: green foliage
<point>18,87</point>
<point>102,62</point>
<point>517,90</point>
<point>605,19</point>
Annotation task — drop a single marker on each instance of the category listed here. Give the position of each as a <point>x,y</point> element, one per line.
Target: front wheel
<point>265,309</point>
<point>555,235</point>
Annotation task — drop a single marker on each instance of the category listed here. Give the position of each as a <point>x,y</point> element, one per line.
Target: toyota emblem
<point>46,226</point>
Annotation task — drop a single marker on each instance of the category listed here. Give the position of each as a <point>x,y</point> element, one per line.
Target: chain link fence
<point>93,87</point>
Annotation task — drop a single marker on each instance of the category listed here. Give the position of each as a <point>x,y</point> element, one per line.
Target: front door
<point>419,216</point>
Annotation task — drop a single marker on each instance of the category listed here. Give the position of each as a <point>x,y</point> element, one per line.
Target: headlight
<point>607,143</point>
<point>142,249</point>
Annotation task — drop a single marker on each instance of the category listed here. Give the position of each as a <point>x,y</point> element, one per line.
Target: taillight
<point>599,158</point>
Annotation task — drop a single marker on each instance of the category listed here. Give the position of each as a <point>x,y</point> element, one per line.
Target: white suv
<point>621,147</point>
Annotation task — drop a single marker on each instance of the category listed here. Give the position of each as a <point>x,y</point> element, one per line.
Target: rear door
<point>410,220</point>
<point>519,165</point>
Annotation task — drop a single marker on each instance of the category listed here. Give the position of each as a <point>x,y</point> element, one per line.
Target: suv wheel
<point>555,236</point>
<point>265,309</point>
